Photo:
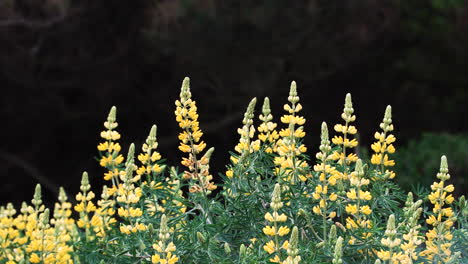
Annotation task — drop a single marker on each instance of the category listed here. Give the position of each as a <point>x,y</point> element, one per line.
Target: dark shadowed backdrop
<point>64,63</point>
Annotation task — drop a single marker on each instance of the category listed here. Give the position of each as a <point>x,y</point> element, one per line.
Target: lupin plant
<point>128,197</point>
<point>289,147</point>
<point>149,157</point>
<point>344,155</point>
<point>410,230</point>
<point>383,147</point>
<point>247,132</point>
<point>245,145</point>
<point>186,115</point>
<point>274,208</point>
<point>326,180</point>
<point>109,150</point>
<point>439,237</point>
<point>267,129</point>
<point>391,242</point>
<point>275,245</point>
<point>85,207</point>
<point>164,249</point>
<point>358,209</point>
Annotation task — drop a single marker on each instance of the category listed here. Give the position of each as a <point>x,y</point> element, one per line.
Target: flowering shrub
<point>275,204</point>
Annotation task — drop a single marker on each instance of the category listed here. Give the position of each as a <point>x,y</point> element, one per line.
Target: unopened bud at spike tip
<point>209,152</point>
<point>62,195</point>
<point>84,178</point>
<point>324,132</point>
<point>388,112</point>
<point>153,131</point>
<point>266,106</point>
<point>112,114</point>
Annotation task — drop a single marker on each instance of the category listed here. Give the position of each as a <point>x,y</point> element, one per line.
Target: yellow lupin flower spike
<point>267,130</point>
<point>383,146</point>
<point>85,205</point>
<point>128,196</point>
<point>344,141</point>
<point>327,178</point>
<point>390,242</point>
<point>150,156</point>
<point>439,238</point>
<point>411,238</point>
<point>247,132</point>
<point>289,147</point>
<point>187,117</point>
<point>293,250</point>
<point>109,149</point>
<point>273,246</point>
<point>164,251</point>
<point>357,208</point>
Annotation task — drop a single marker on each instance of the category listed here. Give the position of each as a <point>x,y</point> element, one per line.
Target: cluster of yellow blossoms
<point>128,197</point>
<point>267,129</point>
<point>327,177</point>
<point>187,117</point>
<point>110,149</point>
<point>391,242</point>
<point>150,156</point>
<point>439,238</point>
<point>342,156</point>
<point>384,146</point>
<point>289,147</point>
<point>357,207</point>
<point>275,231</point>
<point>35,237</point>
<point>247,132</point>
<point>164,250</point>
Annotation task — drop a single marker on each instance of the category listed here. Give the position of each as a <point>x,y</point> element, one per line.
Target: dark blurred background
<point>64,63</point>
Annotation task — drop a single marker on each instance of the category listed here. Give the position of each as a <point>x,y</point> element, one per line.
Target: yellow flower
<point>269,230</point>
<point>365,210</point>
<point>283,231</point>
<point>351,209</point>
<point>270,247</point>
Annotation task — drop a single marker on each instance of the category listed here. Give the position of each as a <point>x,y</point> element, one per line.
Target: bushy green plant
<point>415,161</point>
<point>276,203</point>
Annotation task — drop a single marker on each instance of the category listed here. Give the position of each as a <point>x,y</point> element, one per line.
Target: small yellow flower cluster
<point>276,231</point>
<point>32,237</point>
<point>103,219</point>
<point>247,132</point>
<point>412,239</point>
<point>327,177</point>
<point>96,221</point>
<point>344,142</point>
<point>110,149</point>
<point>187,117</point>
<point>289,146</point>
<point>150,156</point>
<point>439,238</point>
<point>390,242</point>
<point>164,250</point>
<point>85,206</point>
<point>128,196</point>
<point>43,243</point>
<point>384,146</point>
<point>267,129</point>
<point>346,130</point>
<point>358,197</point>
